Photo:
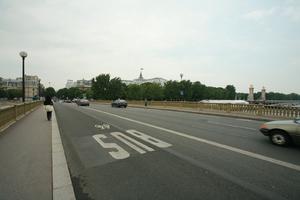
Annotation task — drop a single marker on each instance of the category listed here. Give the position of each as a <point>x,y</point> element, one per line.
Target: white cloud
<point>260,14</point>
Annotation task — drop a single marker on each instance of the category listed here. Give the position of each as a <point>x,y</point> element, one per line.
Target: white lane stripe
<point>121,136</point>
<point>245,120</point>
<point>230,148</point>
<point>232,126</point>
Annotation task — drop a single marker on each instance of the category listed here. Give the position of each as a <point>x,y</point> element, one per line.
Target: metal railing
<point>12,113</point>
<point>253,110</point>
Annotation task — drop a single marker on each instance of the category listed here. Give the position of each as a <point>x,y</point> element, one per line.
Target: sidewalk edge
<point>62,188</point>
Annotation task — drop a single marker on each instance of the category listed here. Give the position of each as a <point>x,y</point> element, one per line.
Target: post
<point>23,80</point>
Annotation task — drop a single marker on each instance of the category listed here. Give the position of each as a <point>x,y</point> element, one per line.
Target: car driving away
<point>282,133</point>
<point>83,102</point>
<point>119,103</point>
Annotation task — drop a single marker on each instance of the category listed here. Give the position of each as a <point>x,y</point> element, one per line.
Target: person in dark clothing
<point>49,107</point>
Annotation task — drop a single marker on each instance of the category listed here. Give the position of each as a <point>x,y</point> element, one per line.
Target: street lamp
<point>181,75</point>
<point>39,89</point>
<point>23,54</point>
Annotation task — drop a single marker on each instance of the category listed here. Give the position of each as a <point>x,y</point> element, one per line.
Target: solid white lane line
<point>245,120</point>
<point>232,126</point>
<point>230,148</point>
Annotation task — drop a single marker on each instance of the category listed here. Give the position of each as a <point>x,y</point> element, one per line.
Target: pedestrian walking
<point>48,107</point>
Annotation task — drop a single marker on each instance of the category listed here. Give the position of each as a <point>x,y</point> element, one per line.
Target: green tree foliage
<point>198,91</point>
<point>152,91</point>
<point>2,93</point>
<point>13,93</point>
<point>172,90</point>
<point>100,86</point>
<point>134,92</point>
<point>230,92</point>
<point>50,91</point>
<point>115,89</point>
<point>71,93</point>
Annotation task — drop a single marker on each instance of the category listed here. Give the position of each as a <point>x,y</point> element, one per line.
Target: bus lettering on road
<point>121,153</point>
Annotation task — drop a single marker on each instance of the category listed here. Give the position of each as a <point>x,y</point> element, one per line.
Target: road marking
<point>232,126</point>
<point>230,148</point>
<point>245,120</point>
<point>124,138</point>
<point>148,138</point>
<point>102,126</point>
<point>119,154</point>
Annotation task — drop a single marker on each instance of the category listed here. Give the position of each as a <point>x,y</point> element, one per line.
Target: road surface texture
<point>137,153</point>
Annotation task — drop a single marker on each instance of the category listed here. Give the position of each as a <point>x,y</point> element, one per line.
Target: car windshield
<point>150,99</point>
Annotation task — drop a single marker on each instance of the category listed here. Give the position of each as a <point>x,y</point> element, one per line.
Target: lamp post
<point>23,54</point>
<point>39,89</point>
<point>181,75</point>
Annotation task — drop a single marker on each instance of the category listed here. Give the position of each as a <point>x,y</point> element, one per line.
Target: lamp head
<point>23,54</point>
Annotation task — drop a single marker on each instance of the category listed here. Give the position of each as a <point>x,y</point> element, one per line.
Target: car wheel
<point>280,138</point>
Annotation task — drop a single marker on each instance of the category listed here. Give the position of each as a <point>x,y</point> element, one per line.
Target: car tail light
<point>263,126</point>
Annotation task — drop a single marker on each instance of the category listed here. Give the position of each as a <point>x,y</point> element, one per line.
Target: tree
<point>172,90</point>
<point>134,92</point>
<point>14,93</point>
<point>115,89</point>
<point>50,91</point>
<point>152,91</point>
<point>230,92</point>
<point>198,91</point>
<point>2,93</point>
<point>100,86</point>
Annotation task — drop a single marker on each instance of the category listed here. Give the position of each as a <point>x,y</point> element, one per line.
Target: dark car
<point>119,103</point>
<point>82,102</point>
<point>283,132</point>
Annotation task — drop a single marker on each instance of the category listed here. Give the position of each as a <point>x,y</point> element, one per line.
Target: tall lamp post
<point>39,89</point>
<point>23,54</point>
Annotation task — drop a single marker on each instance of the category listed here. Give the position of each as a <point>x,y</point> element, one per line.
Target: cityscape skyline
<point>218,43</point>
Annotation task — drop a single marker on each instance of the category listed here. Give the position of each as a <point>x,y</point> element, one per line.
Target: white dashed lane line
<point>232,126</point>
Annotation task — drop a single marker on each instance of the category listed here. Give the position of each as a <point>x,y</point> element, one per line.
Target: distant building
<point>31,85</point>
<point>141,80</point>
<point>81,84</point>
<point>70,84</point>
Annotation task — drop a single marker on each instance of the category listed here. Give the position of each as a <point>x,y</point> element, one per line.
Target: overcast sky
<point>216,42</point>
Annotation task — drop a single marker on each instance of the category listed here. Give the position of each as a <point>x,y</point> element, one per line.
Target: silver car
<point>283,132</point>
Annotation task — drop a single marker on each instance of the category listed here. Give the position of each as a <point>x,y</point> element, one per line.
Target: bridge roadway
<point>137,153</point>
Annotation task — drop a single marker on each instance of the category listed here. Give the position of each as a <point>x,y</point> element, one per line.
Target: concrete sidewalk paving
<point>26,166</point>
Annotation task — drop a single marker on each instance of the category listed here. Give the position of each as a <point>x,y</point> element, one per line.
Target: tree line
<point>106,88</point>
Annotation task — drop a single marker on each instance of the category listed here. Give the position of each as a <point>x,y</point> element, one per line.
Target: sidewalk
<point>26,158</point>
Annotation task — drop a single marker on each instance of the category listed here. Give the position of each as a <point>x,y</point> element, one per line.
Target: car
<point>67,101</point>
<point>282,133</point>
<point>82,102</point>
<point>119,103</point>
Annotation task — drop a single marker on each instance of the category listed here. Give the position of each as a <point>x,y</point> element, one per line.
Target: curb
<point>62,188</point>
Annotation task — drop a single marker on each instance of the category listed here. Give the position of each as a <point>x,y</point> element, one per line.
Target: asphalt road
<point>137,153</point>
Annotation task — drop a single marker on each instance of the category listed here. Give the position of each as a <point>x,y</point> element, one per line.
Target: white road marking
<point>119,154</point>
<point>148,138</point>
<point>245,120</point>
<point>232,126</point>
<point>124,138</point>
<point>233,149</point>
<point>103,126</point>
